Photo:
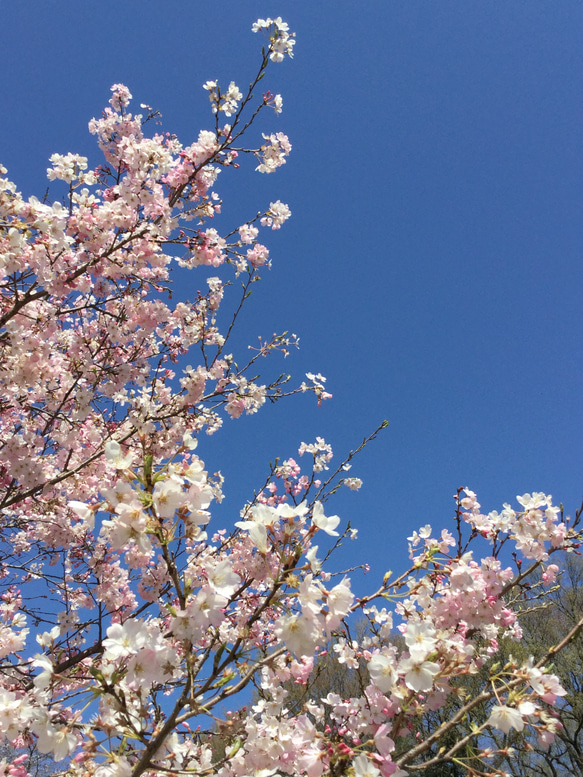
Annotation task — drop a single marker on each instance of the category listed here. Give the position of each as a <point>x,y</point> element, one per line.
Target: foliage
<point>543,624</point>
<point>147,624</point>
<point>543,627</point>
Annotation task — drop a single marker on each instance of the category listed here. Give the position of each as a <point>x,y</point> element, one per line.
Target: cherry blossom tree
<point>129,622</point>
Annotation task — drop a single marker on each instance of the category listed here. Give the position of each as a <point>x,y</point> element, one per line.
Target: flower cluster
<point>276,215</point>
<point>227,102</point>
<point>70,168</point>
<point>273,153</point>
<point>281,40</point>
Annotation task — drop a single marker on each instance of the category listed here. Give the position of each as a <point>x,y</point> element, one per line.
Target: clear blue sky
<point>433,264</point>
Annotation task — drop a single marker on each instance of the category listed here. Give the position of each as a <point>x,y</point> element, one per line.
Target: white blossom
<point>505,718</point>
<point>326,523</point>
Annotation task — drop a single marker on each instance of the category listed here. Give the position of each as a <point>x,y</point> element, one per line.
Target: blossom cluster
<point>197,615</point>
<point>90,337</point>
<point>282,41</point>
<point>228,102</point>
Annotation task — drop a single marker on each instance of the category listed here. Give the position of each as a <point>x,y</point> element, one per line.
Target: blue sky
<point>432,267</point>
